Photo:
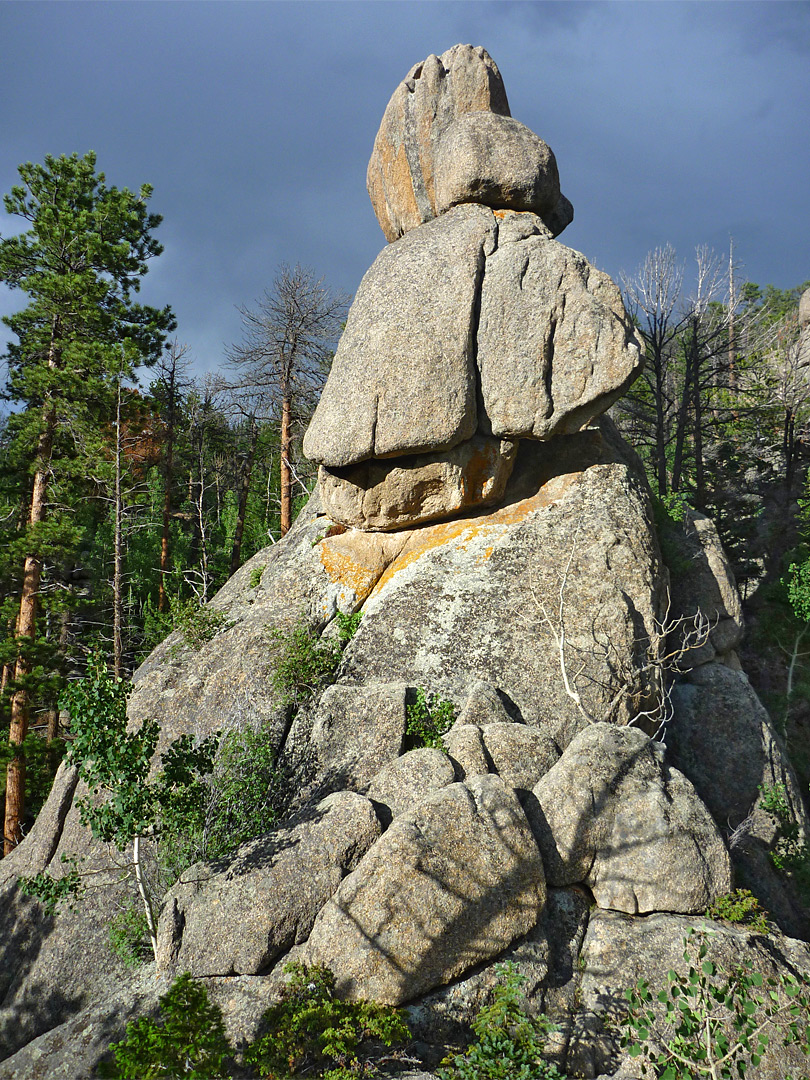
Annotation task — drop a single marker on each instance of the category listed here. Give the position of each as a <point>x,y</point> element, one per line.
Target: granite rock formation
<point>484,515</point>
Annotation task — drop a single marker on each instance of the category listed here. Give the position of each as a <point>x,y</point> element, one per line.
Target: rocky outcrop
<point>451,884</point>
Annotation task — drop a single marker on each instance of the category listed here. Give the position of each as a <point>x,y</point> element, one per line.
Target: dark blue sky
<point>671,122</point>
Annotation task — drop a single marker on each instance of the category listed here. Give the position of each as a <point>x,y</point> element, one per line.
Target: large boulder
<point>479,599</point>
<point>555,345</point>
<point>487,158</point>
<point>402,492</point>
<point>618,950</point>
<point>450,884</point>
<point>271,890</point>
<point>404,782</point>
<point>432,95</point>
<point>722,738</point>
<point>403,377</point>
<point>611,815</point>
<point>358,729</point>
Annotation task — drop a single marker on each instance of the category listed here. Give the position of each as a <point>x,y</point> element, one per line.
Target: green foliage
<point>249,791</point>
<point>797,584</point>
<point>740,906</point>
<point>197,623</point>
<point>188,1040</point>
<point>128,935</point>
<point>256,576</point>
<point>304,662</point>
<point>311,1032</point>
<point>669,513</point>
<point>706,1023</point>
<point>428,718</point>
<point>791,853</point>
<point>53,892</point>
<point>42,759</point>
<point>509,1043</point>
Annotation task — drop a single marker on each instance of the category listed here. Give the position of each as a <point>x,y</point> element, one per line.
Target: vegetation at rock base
<point>188,1040</point>
<point>709,1023</point>
<point>791,853</point>
<point>428,718</point>
<point>312,1032</point>
<point>509,1044</point>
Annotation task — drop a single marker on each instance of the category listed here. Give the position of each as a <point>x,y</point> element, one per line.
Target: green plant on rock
<point>428,718</point>
<point>706,1023</point>
<point>509,1043</point>
<point>256,576</point>
<point>128,935</point>
<point>128,800</point>
<point>791,853</point>
<point>188,1040</point>
<point>311,1032</point>
<point>740,906</point>
<point>304,661</point>
<point>198,624</point>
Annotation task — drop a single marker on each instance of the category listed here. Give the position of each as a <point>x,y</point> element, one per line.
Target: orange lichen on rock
<point>464,530</point>
<point>357,559</point>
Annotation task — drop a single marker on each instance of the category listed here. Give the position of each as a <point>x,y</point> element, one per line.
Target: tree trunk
<point>286,472</point>
<point>244,490</point>
<point>163,601</point>
<point>118,554</point>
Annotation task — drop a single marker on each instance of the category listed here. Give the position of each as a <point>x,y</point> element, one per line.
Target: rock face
<point>496,534</point>
<point>451,884</point>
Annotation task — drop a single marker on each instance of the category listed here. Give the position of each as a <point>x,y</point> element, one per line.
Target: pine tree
<point>79,263</point>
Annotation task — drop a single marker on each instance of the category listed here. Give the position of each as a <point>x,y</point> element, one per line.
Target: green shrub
<point>256,576</point>
<point>706,1023</point>
<point>188,1040</point>
<point>198,624</point>
<point>249,790</point>
<point>311,1032</point>
<point>791,853</point>
<point>428,718</point>
<point>304,662</point>
<point>740,906</point>
<point>509,1044</point>
<point>128,936</point>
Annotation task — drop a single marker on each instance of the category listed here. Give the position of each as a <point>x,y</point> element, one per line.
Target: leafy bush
<point>313,1033</point>
<point>304,662</point>
<point>428,718</point>
<point>509,1043</point>
<point>189,1040</point>
<point>128,935</point>
<point>256,576</point>
<point>709,1024</point>
<point>198,624</point>
<point>249,790</point>
<point>791,854</point>
<point>740,906</point>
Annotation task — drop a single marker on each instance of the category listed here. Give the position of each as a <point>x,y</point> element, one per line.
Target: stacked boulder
<point>475,328</point>
<point>496,533</point>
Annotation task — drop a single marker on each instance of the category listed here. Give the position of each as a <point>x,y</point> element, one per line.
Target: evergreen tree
<point>79,263</point>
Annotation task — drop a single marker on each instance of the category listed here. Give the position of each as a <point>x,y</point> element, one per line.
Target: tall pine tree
<point>79,263</point>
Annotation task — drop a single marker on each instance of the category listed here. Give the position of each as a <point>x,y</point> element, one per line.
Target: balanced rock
<point>483,157</point>
<point>402,492</point>
<point>611,815</point>
<point>450,884</point>
<point>432,95</point>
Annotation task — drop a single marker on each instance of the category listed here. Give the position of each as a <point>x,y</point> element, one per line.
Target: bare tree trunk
<point>286,472</point>
<point>118,554</point>
<point>244,491</point>
<point>26,628</point>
